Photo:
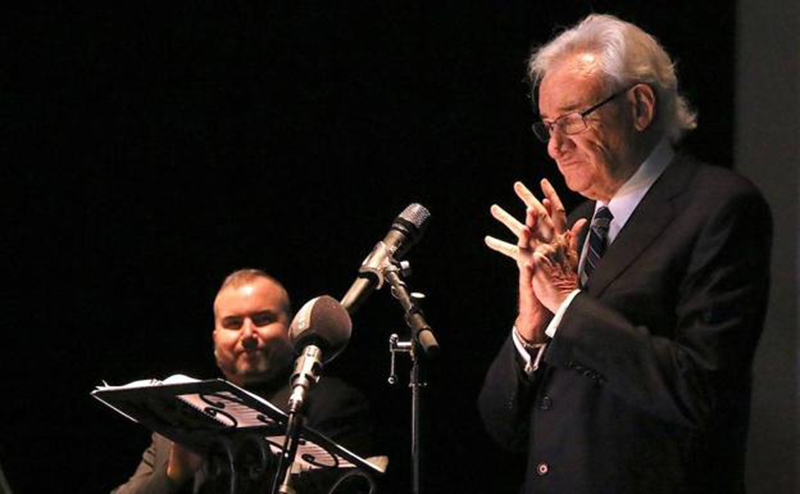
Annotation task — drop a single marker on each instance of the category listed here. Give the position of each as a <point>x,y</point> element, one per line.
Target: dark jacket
<point>645,387</point>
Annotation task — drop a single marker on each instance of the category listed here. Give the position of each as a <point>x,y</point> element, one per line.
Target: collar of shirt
<point>624,202</point>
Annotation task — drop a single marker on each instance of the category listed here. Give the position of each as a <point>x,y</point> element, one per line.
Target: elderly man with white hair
<point>627,369</point>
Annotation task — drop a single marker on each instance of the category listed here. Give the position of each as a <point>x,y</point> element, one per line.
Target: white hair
<point>627,55</point>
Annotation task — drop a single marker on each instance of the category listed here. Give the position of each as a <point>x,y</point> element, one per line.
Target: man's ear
<point>644,106</point>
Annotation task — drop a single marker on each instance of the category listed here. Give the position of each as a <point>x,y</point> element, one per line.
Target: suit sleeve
<point>505,398</point>
<point>150,476</point>
<point>678,374</point>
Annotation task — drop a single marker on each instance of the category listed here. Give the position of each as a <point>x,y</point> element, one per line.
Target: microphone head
<point>416,214</point>
<point>411,223</point>
<point>323,322</point>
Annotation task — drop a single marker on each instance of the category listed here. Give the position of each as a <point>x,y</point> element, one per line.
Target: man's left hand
<point>555,273</point>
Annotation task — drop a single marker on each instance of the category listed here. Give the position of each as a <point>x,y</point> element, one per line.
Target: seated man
<point>252,313</point>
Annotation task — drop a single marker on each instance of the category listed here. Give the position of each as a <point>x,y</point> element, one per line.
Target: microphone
<point>319,332</point>
<point>405,231</point>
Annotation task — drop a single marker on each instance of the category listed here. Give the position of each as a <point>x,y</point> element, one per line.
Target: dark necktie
<point>598,239</point>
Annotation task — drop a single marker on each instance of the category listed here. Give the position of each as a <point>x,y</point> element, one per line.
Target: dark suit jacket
<point>645,387</point>
<point>334,408</point>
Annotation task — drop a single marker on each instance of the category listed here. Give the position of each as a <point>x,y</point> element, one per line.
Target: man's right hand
<point>533,317</point>
<point>538,229</point>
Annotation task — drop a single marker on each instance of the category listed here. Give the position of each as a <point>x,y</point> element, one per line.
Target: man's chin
<point>579,185</point>
<point>255,373</point>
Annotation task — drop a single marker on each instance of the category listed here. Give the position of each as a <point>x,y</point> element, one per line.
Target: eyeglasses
<point>571,123</point>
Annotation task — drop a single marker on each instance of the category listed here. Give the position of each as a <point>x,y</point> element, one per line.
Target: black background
<point>153,147</point>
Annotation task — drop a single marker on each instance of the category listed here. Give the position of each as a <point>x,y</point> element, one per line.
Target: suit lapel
<point>651,217</point>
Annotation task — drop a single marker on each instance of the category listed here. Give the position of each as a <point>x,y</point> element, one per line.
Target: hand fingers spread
<point>539,224</point>
<point>509,221</point>
<point>505,248</point>
<point>548,206</point>
<point>557,211</point>
<point>524,239</point>
<point>527,197</point>
<point>544,221</point>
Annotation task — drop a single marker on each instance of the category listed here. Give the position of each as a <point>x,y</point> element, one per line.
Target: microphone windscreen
<point>416,214</point>
<point>322,321</point>
<point>411,222</point>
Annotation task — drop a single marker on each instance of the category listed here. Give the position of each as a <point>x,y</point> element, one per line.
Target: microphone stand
<point>307,374</point>
<point>423,344</point>
<point>282,482</point>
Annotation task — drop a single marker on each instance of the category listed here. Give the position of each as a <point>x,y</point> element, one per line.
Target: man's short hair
<point>627,55</point>
<point>244,276</point>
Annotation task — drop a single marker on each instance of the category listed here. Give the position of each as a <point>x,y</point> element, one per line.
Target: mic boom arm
<point>421,331</point>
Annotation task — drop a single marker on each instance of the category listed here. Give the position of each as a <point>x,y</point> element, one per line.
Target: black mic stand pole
<point>281,483</point>
<point>423,344</point>
<point>307,371</point>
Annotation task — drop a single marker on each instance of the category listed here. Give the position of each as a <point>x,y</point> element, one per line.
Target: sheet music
<point>309,455</point>
<point>143,383</point>
<point>228,410</point>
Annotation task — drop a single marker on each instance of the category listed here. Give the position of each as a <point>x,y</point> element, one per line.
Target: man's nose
<point>249,336</point>
<point>558,141</point>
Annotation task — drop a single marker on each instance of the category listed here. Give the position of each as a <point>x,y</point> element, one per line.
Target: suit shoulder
<point>715,198</point>
<point>710,191</point>
<point>712,180</point>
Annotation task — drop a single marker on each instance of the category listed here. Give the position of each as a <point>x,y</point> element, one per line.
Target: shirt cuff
<point>531,353</point>
<point>553,326</point>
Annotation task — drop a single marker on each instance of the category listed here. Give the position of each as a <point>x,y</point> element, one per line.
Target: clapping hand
<point>546,254</point>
